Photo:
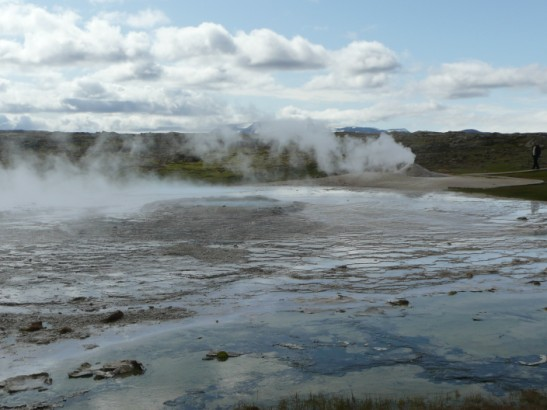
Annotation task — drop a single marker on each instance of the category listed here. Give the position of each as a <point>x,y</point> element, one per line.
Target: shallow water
<point>296,279</point>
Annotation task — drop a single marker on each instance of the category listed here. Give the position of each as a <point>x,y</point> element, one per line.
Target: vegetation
<point>525,400</point>
<point>464,153</point>
<point>200,171</point>
<point>173,155</point>
<point>486,153</point>
<point>533,192</point>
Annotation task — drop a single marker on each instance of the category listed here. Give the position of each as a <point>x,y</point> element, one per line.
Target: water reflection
<point>266,274</point>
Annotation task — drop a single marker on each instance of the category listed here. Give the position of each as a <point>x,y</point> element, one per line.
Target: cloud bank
<point>128,72</point>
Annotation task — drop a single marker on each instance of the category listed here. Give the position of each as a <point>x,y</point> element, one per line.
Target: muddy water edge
<point>311,289</point>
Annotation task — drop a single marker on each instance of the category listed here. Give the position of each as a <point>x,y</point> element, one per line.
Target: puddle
<point>434,346</point>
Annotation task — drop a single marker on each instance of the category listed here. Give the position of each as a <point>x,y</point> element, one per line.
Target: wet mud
<point>310,286</point>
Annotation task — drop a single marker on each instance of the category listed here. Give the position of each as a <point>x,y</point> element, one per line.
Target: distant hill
<point>471,131</point>
<point>254,127</point>
<point>458,152</point>
<point>368,130</point>
<point>454,152</point>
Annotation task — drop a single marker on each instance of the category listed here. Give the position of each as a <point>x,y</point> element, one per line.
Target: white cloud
<point>91,89</point>
<point>142,70</point>
<point>3,85</point>
<point>144,19</point>
<point>374,113</point>
<point>203,41</point>
<point>477,79</point>
<point>17,18</point>
<point>358,66</point>
<point>361,57</point>
<point>122,71</point>
<point>266,49</point>
<point>106,1</point>
<point>33,35</point>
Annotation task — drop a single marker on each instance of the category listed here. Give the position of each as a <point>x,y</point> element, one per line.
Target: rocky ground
<point>67,258</point>
<point>70,253</point>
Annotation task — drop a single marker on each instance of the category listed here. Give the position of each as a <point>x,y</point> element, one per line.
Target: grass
<point>201,171</point>
<point>533,192</point>
<point>169,156</point>
<point>243,164</point>
<point>524,400</point>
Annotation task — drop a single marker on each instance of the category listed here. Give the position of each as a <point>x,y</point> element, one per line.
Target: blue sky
<point>132,65</point>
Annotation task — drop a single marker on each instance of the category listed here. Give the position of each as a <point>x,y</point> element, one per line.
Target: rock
<point>400,302</point>
<point>221,355</point>
<point>84,371</point>
<point>38,381</point>
<point>90,346</point>
<point>34,327</point>
<point>121,368</point>
<point>291,346</point>
<point>114,317</point>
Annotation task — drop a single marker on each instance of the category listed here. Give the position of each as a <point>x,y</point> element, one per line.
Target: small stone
<point>400,302</point>
<point>121,368</point>
<point>124,368</point>
<point>90,346</point>
<point>38,381</point>
<point>84,371</point>
<point>114,317</point>
<point>34,327</point>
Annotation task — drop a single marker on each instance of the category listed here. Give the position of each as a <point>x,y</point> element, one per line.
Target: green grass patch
<point>200,171</point>
<point>524,400</point>
<point>243,165</point>
<point>532,192</point>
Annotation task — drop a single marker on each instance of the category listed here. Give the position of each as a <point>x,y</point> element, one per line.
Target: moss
<point>222,356</point>
<point>198,170</point>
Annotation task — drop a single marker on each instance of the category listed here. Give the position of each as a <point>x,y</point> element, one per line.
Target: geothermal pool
<point>317,289</point>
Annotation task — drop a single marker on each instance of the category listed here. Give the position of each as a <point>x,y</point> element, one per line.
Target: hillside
<point>172,154</point>
<point>463,152</point>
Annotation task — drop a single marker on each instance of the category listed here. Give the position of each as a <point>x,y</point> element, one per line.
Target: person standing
<point>536,153</point>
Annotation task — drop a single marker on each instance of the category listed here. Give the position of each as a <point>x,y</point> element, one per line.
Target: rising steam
<point>333,154</point>
<point>55,168</point>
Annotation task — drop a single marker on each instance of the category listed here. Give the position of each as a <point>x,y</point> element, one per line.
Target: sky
<point>177,65</point>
